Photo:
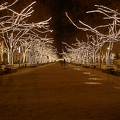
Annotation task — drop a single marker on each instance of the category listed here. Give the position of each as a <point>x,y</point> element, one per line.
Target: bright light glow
<point>19,49</point>
<point>87,73</point>
<point>77,69</point>
<point>95,79</point>
<point>92,83</point>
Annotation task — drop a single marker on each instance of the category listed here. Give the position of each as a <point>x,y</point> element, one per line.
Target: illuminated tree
<point>38,50</point>
<point>84,52</point>
<point>16,28</point>
<point>96,42</point>
<point>3,50</point>
<point>113,28</point>
<point>80,53</point>
<point>69,54</point>
<point>2,22</point>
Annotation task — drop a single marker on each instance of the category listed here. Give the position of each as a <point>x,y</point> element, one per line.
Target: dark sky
<point>63,29</point>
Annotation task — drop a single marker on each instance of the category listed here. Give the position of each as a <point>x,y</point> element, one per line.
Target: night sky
<point>63,29</point>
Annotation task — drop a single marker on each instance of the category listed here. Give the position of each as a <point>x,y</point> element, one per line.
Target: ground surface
<point>53,93</point>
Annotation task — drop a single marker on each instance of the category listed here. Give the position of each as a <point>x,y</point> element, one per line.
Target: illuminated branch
<point>5,5</point>
<point>113,34</point>
<point>86,28</point>
<point>15,31</point>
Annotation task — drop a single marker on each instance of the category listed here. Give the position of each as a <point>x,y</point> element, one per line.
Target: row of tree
<point>20,36</point>
<point>107,33</point>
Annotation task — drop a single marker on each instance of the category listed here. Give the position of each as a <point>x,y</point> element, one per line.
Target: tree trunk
<point>108,54</point>
<point>24,56</point>
<point>10,54</point>
<point>94,59</point>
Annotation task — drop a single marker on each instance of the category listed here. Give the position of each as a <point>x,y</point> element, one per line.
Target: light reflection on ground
<point>93,83</point>
<point>95,79</point>
<point>76,69</point>
<point>87,73</point>
<point>92,75</point>
<point>116,87</point>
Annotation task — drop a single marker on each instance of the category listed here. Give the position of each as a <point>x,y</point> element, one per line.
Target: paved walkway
<point>52,93</point>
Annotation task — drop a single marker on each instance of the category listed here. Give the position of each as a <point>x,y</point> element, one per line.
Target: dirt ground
<point>52,93</point>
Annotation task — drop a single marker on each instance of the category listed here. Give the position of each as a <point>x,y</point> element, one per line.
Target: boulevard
<point>51,92</point>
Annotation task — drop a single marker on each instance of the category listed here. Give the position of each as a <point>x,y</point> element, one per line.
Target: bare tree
<point>16,27</point>
<point>113,28</point>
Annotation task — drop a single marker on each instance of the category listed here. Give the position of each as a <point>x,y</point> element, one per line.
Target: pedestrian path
<point>52,93</point>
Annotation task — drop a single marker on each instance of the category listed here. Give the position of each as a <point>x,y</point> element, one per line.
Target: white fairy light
<point>15,31</point>
<point>2,51</point>
<point>80,54</point>
<point>96,42</point>
<point>114,31</point>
